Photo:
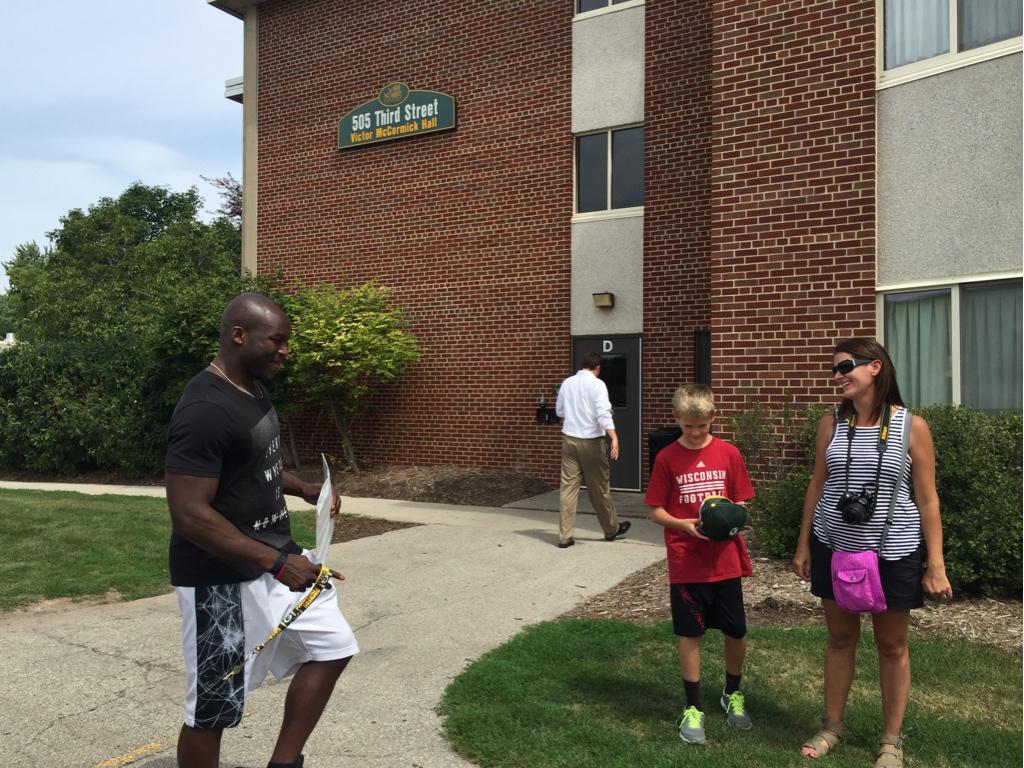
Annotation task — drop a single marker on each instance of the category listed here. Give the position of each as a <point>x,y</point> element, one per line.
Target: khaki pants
<point>585,459</point>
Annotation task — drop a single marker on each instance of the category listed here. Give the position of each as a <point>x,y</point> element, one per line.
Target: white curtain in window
<point>990,346</point>
<point>917,339</point>
<point>915,30</point>
<point>986,21</point>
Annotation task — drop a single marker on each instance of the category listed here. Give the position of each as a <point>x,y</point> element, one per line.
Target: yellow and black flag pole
<point>322,581</point>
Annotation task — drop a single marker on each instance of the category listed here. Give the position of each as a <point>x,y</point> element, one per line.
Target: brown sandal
<point>890,754</point>
<point>824,741</point>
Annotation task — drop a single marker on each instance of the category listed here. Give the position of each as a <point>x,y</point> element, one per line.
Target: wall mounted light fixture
<point>604,300</point>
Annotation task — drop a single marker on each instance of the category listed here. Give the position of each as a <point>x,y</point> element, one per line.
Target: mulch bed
<point>438,485</point>
<point>349,528</point>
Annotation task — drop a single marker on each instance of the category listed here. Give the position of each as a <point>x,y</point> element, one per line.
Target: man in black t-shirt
<point>232,559</point>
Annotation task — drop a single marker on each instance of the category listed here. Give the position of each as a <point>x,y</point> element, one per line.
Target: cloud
<point>164,56</point>
<point>100,94</point>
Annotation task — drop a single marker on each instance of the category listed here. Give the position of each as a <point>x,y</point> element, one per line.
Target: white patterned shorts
<point>221,624</point>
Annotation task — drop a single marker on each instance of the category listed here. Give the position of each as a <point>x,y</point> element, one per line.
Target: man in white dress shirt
<point>586,415</point>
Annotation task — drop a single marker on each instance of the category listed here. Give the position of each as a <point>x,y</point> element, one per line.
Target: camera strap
<point>908,419</point>
<point>883,439</point>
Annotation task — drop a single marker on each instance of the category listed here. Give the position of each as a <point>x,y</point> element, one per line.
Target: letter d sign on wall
<point>606,345</point>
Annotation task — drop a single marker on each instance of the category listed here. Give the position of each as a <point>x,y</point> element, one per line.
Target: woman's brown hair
<point>887,391</point>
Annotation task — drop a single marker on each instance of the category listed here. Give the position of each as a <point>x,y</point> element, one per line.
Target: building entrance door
<point>620,371</point>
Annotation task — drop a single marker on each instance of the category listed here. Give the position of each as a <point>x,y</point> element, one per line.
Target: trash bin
<point>658,439</point>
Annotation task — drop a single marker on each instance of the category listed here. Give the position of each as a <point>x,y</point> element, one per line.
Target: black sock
<point>692,694</point>
<point>297,764</point>
<point>732,683</point>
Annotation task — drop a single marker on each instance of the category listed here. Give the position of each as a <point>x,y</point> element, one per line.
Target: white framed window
<point>956,343</point>
<point>918,38</point>
<point>593,7</point>
<point>610,171</point>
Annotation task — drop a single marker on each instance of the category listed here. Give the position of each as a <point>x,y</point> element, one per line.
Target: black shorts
<point>712,605</point>
<point>901,579</point>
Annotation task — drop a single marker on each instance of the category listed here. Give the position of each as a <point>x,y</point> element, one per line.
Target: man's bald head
<point>254,334</point>
<point>247,311</point>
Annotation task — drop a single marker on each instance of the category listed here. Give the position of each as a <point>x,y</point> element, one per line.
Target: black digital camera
<point>858,507</point>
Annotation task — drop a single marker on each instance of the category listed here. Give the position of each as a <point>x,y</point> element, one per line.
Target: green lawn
<point>59,544</point>
<point>606,694</point>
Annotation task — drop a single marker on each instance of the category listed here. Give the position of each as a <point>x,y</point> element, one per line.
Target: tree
<point>112,320</point>
<point>109,268</point>
<point>344,345</point>
<point>230,197</point>
<point>6,316</point>
<point>22,273</point>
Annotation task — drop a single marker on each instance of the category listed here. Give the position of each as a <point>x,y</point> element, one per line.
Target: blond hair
<point>693,400</point>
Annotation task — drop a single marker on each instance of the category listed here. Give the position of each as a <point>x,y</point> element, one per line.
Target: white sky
<point>96,94</point>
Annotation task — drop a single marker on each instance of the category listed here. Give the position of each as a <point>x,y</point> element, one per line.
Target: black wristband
<point>282,558</point>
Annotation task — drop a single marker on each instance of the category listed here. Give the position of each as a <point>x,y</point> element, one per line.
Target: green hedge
<point>978,477</point>
<point>69,406</point>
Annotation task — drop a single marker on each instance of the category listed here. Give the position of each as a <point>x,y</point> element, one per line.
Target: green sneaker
<point>736,711</point>
<point>691,726</point>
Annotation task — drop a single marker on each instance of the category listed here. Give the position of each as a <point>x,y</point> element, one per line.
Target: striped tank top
<point>905,532</point>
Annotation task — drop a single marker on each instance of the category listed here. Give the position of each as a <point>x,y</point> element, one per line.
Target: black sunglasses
<point>845,366</point>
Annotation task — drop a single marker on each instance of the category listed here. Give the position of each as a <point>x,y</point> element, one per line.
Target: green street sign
<point>396,113</point>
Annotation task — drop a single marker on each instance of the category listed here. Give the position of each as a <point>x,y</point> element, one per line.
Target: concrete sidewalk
<point>627,503</point>
<point>101,686</point>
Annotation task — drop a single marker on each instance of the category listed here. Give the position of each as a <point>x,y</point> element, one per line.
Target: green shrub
<point>112,321</point>
<point>67,408</point>
<point>777,509</point>
<point>978,478</point>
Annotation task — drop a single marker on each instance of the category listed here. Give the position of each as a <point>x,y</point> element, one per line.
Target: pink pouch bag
<point>855,582</point>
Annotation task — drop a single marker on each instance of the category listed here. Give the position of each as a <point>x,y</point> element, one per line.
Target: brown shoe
<point>566,544</point>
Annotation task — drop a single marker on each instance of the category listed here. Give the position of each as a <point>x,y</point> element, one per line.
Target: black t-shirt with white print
<point>218,431</point>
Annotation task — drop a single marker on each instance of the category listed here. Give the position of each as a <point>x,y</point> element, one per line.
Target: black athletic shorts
<point>712,605</point>
<point>901,579</point>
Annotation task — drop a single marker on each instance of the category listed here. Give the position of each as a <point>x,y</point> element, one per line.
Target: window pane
<point>592,172</point>
<point>915,30</point>
<point>986,21</point>
<point>628,168</point>
<point>990,346</point>
<point>917,338</point>
<point>590,5</point>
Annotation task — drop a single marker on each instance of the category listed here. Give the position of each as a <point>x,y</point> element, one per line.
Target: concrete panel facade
<point>608,255</point>
<point>949,174</point>
<point>608,70</point>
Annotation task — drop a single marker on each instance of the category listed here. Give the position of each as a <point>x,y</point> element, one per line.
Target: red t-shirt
<point>681,480</point>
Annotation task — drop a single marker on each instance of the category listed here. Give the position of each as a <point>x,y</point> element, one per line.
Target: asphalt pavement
<point>101,686</point>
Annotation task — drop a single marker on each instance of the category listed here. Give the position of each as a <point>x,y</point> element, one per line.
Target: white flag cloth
<point>324,521</point>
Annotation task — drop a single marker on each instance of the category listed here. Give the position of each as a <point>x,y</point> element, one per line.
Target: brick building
<point>744,182</point>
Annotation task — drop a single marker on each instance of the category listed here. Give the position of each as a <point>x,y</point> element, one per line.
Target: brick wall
<point>470,228</point>
<point>677,199</point>
<point>793,194</point>
<point>759,203</point>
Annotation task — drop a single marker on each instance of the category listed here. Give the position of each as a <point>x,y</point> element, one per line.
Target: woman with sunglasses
<point>857,459</point>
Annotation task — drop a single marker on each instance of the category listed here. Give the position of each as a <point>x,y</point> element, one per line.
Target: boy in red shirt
<point>704,575</point>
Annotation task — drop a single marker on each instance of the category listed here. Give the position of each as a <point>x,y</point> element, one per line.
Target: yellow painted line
<point>130,757</point>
